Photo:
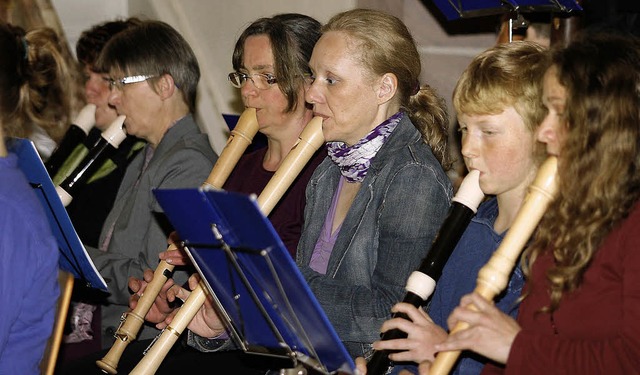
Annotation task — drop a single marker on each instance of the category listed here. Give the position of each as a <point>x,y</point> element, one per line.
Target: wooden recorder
<point>240,138</point>
<point>494,276</point>
<point>310,140</point>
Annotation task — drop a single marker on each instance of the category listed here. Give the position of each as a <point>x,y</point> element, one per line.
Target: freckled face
<point>553,130</point>
<point>341,92</point>
<point>500,146</point>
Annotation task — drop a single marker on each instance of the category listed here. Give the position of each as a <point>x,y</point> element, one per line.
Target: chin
<point>328,137</point>
<point>487,189</point>
<point>103,122</point>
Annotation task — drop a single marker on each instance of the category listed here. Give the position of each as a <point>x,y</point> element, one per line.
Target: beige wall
<point>76,16</point>
<point>211,27</point>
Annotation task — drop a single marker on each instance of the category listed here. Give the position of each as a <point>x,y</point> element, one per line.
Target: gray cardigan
<point>182,159</point>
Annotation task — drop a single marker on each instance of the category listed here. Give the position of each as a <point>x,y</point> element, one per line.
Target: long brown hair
<point>599,165</point>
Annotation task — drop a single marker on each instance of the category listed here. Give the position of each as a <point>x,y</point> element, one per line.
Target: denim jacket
<point>385,235</point>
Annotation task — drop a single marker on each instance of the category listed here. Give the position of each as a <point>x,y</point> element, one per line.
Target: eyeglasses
<point>120,83</point>
<point>260,80</point>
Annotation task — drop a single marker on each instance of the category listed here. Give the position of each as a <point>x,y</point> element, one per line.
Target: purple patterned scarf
<point>354,161</point>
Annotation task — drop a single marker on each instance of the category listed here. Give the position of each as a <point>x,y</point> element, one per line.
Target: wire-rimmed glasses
<point>260,80</point>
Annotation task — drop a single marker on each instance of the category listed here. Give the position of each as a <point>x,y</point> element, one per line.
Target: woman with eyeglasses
<point>91,205</point>
<point>270,61</point>
<point>375,204</point>
<point>153,74</point>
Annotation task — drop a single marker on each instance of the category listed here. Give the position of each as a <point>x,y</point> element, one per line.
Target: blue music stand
<point>454,9</point>
<point>73,256</point>
<point>267,305</point>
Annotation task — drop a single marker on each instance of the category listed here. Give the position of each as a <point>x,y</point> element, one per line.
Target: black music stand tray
<point>73,256</point>
<point>267,305</point>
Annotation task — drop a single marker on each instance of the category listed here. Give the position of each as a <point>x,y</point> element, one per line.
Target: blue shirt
<point>459,277</point>
<point>28,274</point>
<point>460,274</point>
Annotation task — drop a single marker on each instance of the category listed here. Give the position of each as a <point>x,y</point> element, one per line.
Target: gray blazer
<point>183,159</point>
<point>386,233</point>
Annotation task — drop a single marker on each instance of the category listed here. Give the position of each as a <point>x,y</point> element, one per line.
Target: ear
<point>165,86</point>
<point>388,86</point>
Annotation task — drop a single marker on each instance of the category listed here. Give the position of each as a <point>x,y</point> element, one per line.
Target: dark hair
<point>292,38</point>
<point>385,45</point>
<point>35,81</point>
<point>153,48</point>
<point>93,40</point>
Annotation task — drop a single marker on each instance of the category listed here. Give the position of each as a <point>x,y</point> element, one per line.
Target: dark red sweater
<point>287,216</point>
<point>597,327</point>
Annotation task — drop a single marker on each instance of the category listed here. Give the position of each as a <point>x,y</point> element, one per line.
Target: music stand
<point>267,305</point>
<point>454,9</point>
<point>73,256</point>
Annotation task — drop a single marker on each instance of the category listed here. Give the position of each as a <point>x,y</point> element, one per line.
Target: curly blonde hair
<point>508,74</point>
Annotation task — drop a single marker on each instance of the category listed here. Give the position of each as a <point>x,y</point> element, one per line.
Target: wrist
<point>222,335</point>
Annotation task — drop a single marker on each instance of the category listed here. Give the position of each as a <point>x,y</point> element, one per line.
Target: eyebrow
<point>260,67</point>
